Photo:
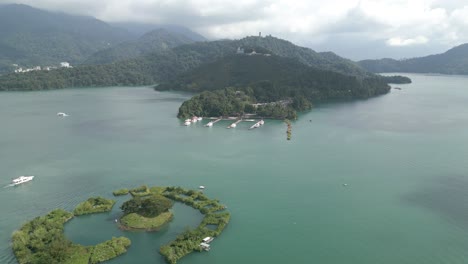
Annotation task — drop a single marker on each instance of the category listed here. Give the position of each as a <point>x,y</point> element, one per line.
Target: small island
<point>94,205</point>
<point>148,213</point>
<point>120,192</point>
<point>42,239</point>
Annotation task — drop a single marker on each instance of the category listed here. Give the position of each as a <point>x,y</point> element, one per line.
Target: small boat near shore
<point>22,179</point>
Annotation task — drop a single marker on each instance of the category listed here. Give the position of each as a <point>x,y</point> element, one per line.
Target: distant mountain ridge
<point>140,29</point>
<point>453,61</point>
<point>33,37</point>
<point>29,36</point>
<point>156,41</point>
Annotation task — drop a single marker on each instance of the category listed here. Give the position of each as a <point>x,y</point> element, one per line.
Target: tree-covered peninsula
<point>268,86</point>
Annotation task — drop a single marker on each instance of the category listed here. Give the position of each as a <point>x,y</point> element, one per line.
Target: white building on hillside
<point>65,65</point>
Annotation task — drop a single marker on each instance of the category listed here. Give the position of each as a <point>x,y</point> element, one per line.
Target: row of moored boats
<point>194,119</point>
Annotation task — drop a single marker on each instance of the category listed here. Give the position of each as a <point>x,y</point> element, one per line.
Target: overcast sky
<point>355,29</point>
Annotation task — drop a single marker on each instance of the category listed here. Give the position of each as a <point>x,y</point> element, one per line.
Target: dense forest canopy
<point>283,86</point>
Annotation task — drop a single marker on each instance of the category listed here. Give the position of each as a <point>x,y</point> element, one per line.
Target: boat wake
<point>9,185</point>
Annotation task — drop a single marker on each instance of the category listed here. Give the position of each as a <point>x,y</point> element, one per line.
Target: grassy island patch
<point>41,240</point>
<point>149,212</point>
<point>136,221</point>
<point>140,191</point>
<point>94,205</point>
<point>120,192</point>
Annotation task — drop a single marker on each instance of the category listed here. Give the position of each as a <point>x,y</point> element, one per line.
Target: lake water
<point>403,156</point>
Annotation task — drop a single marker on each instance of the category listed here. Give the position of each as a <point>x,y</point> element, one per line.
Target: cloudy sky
<point>355,29</point>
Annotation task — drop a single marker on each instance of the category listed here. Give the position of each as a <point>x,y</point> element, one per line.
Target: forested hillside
<point>156,41</point>
<point>166,66</point>
<point>29,37</point>
<point>233,83</point>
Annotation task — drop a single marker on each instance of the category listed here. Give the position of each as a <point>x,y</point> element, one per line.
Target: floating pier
<point>233,125</point>
<point>258,124</point>
<point>211,123</point>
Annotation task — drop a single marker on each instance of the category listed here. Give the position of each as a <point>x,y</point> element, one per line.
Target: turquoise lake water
<point>403,156</point>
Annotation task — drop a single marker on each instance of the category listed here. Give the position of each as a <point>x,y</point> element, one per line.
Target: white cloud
<point>397,23</point>
<point>398,41</point>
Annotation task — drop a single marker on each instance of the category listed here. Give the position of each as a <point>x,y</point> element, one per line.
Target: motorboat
<point>22,179</point>
<point>261,122</point>
<point>61,114</point>
<point>210,124</point>
<point>207,240</point>
<point>200,118</point>
<point>187,123</point>
<point>201,187</point>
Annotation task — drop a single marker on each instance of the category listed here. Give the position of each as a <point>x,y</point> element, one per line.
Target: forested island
<point>42,239</point>
<point>147,210</point>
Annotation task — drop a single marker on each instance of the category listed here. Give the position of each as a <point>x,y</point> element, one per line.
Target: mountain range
<point>453,61</point>
<point>33,37</point>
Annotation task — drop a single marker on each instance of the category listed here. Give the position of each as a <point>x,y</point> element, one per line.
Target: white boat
<point>22,179</point>
<point>200,118</point>
<point>205,246</point>
<point>201,187</point>
<point>61,114</point>
<point>187,123</point>
<point>208,239</point>
<point>261,122</point>
<point>233,125</point>
<point>210,124</point>
<point>188,120</point>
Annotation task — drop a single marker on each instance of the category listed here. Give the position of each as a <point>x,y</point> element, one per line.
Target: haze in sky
<point>357,29</point>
